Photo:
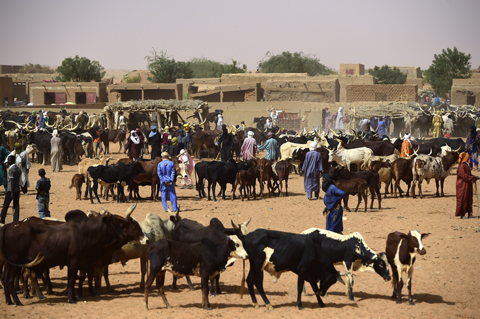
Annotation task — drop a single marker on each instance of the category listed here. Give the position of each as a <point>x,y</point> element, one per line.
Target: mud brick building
<point>381,93</point>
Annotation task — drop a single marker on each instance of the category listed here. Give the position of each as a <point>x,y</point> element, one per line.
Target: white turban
<point>55,133</point>
<point>250,133</point>
<point>406,136</point>
<point>313,146</point>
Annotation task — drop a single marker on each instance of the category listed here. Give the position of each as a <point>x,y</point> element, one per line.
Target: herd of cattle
<point>88,243</point>
<point>186,248</point>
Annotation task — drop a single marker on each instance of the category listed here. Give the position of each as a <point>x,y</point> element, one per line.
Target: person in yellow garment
<point>437,124</point>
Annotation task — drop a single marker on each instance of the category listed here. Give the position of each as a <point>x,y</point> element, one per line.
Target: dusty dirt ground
<point>445,281</point>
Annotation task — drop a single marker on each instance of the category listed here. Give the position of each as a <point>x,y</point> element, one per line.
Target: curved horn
<point>18,125</point>
<point>130,210</point>
<point>429,154</point>
<point>458,149</point>
<point>74,128</point>
<point>415,152</point>
<point>334,132</point>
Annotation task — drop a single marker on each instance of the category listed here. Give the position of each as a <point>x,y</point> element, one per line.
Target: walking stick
<point>478,200</point>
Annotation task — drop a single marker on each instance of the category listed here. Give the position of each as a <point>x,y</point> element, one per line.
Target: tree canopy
<point>205,68</point>
<point>388,75</point>
<point>36,68</point>
<point>165,69</point>
<point>449,65</point>
<point>80,69</point>
<point>296,62</point>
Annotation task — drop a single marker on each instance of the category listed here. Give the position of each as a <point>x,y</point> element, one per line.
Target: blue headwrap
<point>153,127</point>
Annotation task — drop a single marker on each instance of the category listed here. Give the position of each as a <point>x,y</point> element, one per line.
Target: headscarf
<point>133,136</point>
<point>327,181</point>
<point>33,113</point>
<point>55,133</point>
<point>269,134</point>
<point>407,137</point>
<point>224,127</point>
<point>250,134</point>
<point>313,146</point>
<point>174,141</point>
<point>18,148</point>
<point>45,114</point>
<point>153,127</point>
<point>463,157</point>
<point>139,134</point>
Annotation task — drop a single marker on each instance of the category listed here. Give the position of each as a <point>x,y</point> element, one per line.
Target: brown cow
<point>353,187</point>
<point>114,136</point>
<point>201,139</point>
<point>282,169</point>
<point>384,170</point>
<point>150,177</point>
<point>246,179</point>
<point>77,182</point>
<point>401,251</point>
<point>402,171</point>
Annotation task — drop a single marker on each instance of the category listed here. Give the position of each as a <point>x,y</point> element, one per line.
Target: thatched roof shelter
<point>394,110</point>
<point>157,105</point>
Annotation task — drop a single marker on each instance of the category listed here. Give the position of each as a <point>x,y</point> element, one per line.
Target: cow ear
<point>425,235</point>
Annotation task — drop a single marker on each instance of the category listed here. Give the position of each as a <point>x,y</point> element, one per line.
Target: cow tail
<point>242,285</point>
<point>33,263</point>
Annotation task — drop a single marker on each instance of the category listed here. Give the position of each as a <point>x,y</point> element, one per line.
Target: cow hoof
<point>42,297</point>
<point>399,301</point>
<point>73,302</point>
<point>27,297</point>
<point>256,306</point>
<point>269,307</point>
<point>411,303</point>
<point>301,308</point>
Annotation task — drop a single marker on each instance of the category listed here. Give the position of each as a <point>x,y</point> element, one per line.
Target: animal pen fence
<point>160,108</point>
<point>289,121</point>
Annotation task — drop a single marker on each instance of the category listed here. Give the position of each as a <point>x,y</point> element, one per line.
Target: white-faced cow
<point>401,251</point>
<point>346,157</point>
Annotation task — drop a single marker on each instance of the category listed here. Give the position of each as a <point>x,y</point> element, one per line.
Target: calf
<point>354,253</point>
<point>401,251</point>
<point>77,182</point>
<point>371,177</point>
<point>282,172</point>
<point>205,259</point>
<point>246,179</point>
<point>353,187</point>
<point>278,252</point>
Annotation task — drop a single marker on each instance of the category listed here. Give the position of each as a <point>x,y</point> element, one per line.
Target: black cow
<point>223,173</point>
<point>68,144</point>
<point>454,144</point>
<point>278,252</point>
<point>114,174</point>
<point>201,173</point>
<point>189,232</point>
<point>203,259</point>
<point>42,140</point>
<point>354,253</point>
<point>379,148</point>
<point>77,243</point>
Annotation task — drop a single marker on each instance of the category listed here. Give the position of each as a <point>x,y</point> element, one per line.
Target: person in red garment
<point>464,188</point>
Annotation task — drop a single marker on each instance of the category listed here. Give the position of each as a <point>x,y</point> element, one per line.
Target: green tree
<point>205,68</point>
<point>449,65</point>
<point>298,62</point>
<point>133,79</point>
<point>388,75</point>
<point>37,68</point>
<point>80,69</point>
<point>165,69</point>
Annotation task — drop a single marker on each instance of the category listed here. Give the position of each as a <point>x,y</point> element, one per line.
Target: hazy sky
<point>119,34</point>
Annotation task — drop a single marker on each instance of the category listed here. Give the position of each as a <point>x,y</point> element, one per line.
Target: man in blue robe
<point>382,127</point>
<point>333,208</point>
<point>312,167</point>
<point>271,147</point>
<point>166,173</point>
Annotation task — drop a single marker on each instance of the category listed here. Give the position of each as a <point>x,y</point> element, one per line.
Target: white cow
<point>346,157</point>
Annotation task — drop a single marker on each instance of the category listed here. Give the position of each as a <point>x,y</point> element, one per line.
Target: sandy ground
<point>445,281</point>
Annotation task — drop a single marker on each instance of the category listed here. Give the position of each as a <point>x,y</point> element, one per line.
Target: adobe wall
<point>151,91</point>
<point>358,69</point>
<point>352,80</point>
<point>413,72</point>
<point>6,90</point>
<point>34,77</point>
<point>261,78</point>
<point>466,91</point>
<point>418,82</point>
<point>37,90</point>
<point>320,90</point>
<point>381,92</point>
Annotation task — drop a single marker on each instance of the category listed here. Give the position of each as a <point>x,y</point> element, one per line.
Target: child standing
<point>43,194</point>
